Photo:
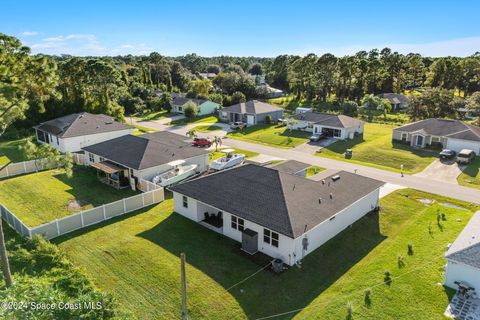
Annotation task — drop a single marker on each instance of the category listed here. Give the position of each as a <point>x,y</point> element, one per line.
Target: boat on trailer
<point>179,172</point>
<point>229,160</point>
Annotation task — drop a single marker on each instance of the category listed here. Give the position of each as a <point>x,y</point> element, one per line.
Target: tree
<point>213,68</point>
<point>350,108</point>
<point>25,81</point>
<point>190,110</point>
<point>200,88</point>
<point>191,133</point>
<point>473,105</point>
<point>7,275</point>
<point>256,69</point>
<point>238,97</point>
<point>48,155</point>
<point>217,141</point>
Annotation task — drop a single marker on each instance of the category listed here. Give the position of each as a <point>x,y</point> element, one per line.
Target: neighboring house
<point>73,132</point>
<point>397,100</point>
<point>302,110</point>
<point>463,257</point>
<point>204,106</point>
<point>251,112</point>
<point>336,126</point>
<point>293,167</point>
<point>131,157</point>
<point>450,134</point>
<point>269,92</point>
<point>277,213</point>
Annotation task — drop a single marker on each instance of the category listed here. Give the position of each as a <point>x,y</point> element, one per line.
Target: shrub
<point>190,110</point>
<point>400,261</point>
<point>349,311</point>
<point>268,119</point>
<point>410,249</point>
<point>388,278</point>
<point>368,297</point>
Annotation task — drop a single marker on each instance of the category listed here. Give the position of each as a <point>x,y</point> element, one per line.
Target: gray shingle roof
<point>466,248</point>
<point>147,150</point>
<point>279,201</point>
<point>81,124</point>
<point>444,128</point>
<point>252,107</point>
<point>291,166</point>
<point>331,120</point>
<point>180,101</point>
<point>394,98</point>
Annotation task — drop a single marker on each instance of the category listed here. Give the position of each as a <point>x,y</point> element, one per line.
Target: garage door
<point>250,120</point>
<point>457,145</point>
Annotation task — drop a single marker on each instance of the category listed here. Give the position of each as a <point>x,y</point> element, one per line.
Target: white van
<point>465,156</point>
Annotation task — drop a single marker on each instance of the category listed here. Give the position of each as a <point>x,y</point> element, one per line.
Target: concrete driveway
<point>442,171</point>
<point>312,147</point>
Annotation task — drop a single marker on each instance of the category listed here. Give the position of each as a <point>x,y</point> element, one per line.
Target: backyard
<point>470,177</point>
<point>9,151</point>
<point>38,198</point>
<point>272,135</point>
<point>136,257</point>
<point>375,148</point>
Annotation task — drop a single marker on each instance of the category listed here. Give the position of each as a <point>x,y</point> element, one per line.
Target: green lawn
<point>470,177</point>
<point>42,197</point>
<point>375,148</point>
<point>201,119</point>
<point>313,170</point>
<point>217,154</point>
<point>272,135</point>
<point>207,128</point>
<point>136,258</point>
<point>9,151</point>
<point>141,130</point>
<point>156,115</point>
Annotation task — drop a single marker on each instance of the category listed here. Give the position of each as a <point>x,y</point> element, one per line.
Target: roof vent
<point>323,181</point>
<point>336,177</point>
<point>319,200</point>
<point>331,195</point>
<point>294,187</point>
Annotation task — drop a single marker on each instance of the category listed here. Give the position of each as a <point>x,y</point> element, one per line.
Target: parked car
<point>238,125</point>
<point>317,137</point>
<point>465,156</point>
<point>201,142</point>
<point>447,154</point>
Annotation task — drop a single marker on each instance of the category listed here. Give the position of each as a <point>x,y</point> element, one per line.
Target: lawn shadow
<point>341,146</point>
<point>422,153</point>
<point>222,260</point>
<point>472,170</point>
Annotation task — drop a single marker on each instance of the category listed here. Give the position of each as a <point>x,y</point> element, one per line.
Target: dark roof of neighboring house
<point>147,150</point>
<point>282,202</point>
<point>252,107</point>
<point>331,120</point>
<point>291,166</point>
<point>444,128</point>
<point>180,101</point>
<point>394,98</point>
<point>81,124</point>
<point>466,248</point>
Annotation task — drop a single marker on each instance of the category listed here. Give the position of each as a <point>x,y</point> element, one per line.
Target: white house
<point>336,126</point>
<point>127,159</point>
<point>251,112</point>
<point>73,132</point>
<point>463,257</point>
<point>204,106</point>
<point>280,214</point>
<point>450,134</point>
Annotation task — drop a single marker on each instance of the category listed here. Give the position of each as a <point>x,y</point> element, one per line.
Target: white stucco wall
<point>457,145</point>
<point>456,271</point>
<point>208,107</point>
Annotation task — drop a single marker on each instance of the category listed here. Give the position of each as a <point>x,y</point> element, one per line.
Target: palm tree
<point>217,141</point>
<point>191,133</point>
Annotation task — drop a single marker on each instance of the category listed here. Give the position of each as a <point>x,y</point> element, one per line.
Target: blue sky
<point>245,28</point>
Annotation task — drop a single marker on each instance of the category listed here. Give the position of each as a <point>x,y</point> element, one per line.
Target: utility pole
<point>184,287</point>
<point>4,258</point>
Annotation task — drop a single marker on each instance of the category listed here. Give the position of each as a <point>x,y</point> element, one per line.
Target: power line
<point>245,279</point>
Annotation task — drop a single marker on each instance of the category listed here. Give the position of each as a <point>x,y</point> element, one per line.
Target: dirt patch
<point>75,205</point>
<point>426,202</point>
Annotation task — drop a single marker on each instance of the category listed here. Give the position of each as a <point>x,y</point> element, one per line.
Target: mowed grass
<point>200,119</point>
<point>153,115</point>
<point>313,170</point>
<point>375,148</point>
<point>470,177</point>
<point>206,128</point>
<point>136,257</point>
<point>10,151</point>
<point>271,135</point>
<point>218,154</point>
<point>38,198</point>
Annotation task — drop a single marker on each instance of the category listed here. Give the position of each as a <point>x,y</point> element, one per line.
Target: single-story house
<point>336,126</point>
<point>130,157</point>
<point>293,167</point>
<point>397,100</point>
<point>73,132</point>
<point>269,92</point>
<point>280,214</point>
<point>204,106</point>
<point>450,134</point>
<point>463,257</point>
<point>302,110</point>
<point>251,112</point>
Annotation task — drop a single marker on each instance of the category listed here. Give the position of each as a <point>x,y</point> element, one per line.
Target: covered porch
<point>210,217</point>
<point>112,174</point>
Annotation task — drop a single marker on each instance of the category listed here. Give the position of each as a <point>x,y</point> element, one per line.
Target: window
<point>102,159</point>
<point>309,125</point>
<point>404,136</point>
<point>185,201</point>
<point>180,108</point>
<point>270,237</point>
<point>57,139</point>
<point>238,223</point>
<point>337,133</point>
<point>91,157</point>
<point>435,139</point>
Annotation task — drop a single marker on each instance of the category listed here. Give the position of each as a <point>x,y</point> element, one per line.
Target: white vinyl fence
<point>146,185</point>
<point>85,218</point>
<point>17,168</point>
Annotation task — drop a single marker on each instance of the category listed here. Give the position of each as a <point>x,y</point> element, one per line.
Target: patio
<point>463,308</point>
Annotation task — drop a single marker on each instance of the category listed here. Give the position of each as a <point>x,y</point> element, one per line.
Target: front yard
<point>470,177</point>
<point>271,135</point>
<point>38,198</point>
<point>376,149</point>
<point>136,257</point>
<point>217,154</point>
<point>198,120</point>
<point>206,128</point>
<point>153,115</point>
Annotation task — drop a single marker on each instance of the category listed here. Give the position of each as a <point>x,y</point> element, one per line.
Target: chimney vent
<point>331,195</point>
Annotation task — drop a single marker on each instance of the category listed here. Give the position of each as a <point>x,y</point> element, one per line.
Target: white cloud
<point>29,33</point>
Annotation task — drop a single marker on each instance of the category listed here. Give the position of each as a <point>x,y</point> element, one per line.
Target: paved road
<point>409,181</point>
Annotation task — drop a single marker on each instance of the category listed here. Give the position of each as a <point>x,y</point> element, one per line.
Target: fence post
<point>81,218</point>
<point>143,200</point>
<point>124,206</point>
<point>29,232</point>
<point>104,214</point>
<point>153,196</point>
<point>24,167</point>
<point>58,227</point>
<point>6,169</point>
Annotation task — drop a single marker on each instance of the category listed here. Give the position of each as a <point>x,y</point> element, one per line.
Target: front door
<point>250,119</point>
<point>420,141</point>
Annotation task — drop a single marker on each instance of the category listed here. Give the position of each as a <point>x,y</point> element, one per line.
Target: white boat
<point>230,159</point>
<point>178,173</point>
